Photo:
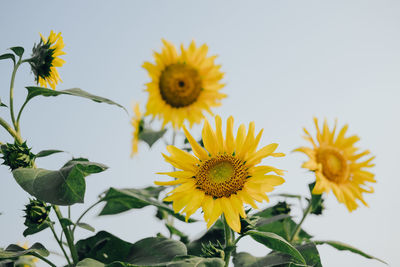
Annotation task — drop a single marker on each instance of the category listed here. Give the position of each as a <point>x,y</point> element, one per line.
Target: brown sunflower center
<point>335,166</point>
<point>221,176</point>
<point>180,85</point>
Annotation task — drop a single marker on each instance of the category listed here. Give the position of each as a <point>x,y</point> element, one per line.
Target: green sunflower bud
<point>248,223</point>
<point>211,250</point>
<point>17,155</point>
<point>36,212</point>
<point>281,208</point>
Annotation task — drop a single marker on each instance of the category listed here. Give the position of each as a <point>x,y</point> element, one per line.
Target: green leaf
<point>342,246</point>
<point>190,261</point>
<point>309,252</point>
<point>153,250</point>
<point>86,226</point>
<point>14,251</point>
<point>103,247</point>
<point>66,222</point>
<point>63,187</point>
<point>107,248</point>
<point>276,243</point>
<point>36,91</point>
<point>8,55</point>
<point>18,50</point>
<point>33,229</point>
<point>316,201</point>
<point>150,136</point>
<point>88,262</point>
<point>45,153</point>
<point>120,200</point>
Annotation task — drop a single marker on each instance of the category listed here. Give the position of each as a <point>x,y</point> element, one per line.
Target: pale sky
<point>284,62</point>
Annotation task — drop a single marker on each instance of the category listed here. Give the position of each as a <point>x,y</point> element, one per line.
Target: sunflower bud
<point>17,155</point>
<point>248,223</point>
<point>281,208</point>
<point>36,212</point>
<point>211,250</point>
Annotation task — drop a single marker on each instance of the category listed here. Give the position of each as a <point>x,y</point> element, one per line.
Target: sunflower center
<point>334,164</point>
<point>180,85</point>
<point>221,176</point>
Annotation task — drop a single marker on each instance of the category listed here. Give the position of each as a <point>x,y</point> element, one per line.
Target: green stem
<point>60,244</point>
<point>83,214</point>
<point>44,259</point>
<point>68,236</point>
<point>10,130</point>
<point>12,93</point>
<point>20,112</point>
<point>229,243</point>
<point>298,227</point>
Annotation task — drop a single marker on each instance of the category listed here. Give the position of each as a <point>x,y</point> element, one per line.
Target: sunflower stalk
<point>296,231</point>
<point>229,241</point>
<point>60,244</point>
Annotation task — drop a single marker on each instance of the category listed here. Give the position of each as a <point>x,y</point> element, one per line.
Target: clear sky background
<point>285,62</point>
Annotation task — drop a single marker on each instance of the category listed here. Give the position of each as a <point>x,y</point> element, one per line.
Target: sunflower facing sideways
<point>337,165</point>
<point>221,177</point>
<point>183,85</point>
<point>45,59</point>
<point>137,124</point>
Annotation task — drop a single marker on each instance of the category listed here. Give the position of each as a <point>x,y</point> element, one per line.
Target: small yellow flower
<point>137,124</point>
<point>337,165</point>
<point>183,85</point>
<point>223,175</point>
<point>45,60</point>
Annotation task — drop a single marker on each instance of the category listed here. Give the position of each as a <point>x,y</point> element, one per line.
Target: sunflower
<point>223,175</point>
<point>183,85</point>
<point>137,124</point>
<point>338,166</point>
<point>45,59</point>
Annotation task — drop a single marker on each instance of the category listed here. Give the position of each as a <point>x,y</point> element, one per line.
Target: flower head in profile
<point>338,165</point>
<point>45,60</point>
<point>183,85</point>
<point>224,175</point>
<point>137,123</point>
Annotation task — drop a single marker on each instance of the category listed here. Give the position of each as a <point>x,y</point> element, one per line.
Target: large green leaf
<point>15,251</point>
<point>120,200</point>
<point>154,250</point>
<point>342,246</point>
<point>107,248</point>
<point>36,91</point>
<point>309,252</point>
<point>63,187</point>
<point>178,261</point>
<point>104,247</point>
<point>276,243</point>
